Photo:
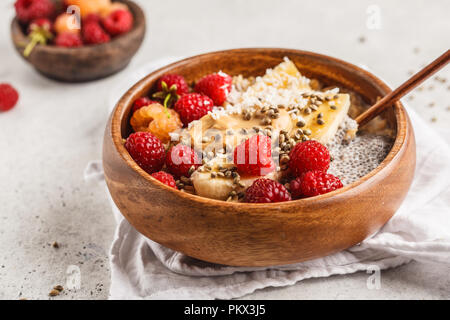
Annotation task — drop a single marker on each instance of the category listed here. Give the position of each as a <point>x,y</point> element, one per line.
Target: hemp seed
<point>300,123</point>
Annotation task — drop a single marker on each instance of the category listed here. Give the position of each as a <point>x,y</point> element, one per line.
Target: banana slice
<point>215,188</point>
<point>232,129</point>
<point>324,122</point>
<point>220,187</point>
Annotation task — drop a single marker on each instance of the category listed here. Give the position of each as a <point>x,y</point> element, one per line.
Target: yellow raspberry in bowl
<point>156,120</point>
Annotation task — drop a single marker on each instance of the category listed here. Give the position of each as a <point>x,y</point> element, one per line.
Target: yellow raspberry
<point>154,119</point>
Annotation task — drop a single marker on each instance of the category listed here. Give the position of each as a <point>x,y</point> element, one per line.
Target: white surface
<point>56,128</point>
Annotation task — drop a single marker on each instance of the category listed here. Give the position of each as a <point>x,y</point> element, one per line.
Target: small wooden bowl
<point>88,62</point>
<point>241,234</point>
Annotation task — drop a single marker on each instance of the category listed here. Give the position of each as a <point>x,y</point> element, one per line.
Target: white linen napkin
<point>420,230</point>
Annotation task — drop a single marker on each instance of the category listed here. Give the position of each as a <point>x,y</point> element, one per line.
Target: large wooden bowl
<point>86,63</point>
<point>242,234</point>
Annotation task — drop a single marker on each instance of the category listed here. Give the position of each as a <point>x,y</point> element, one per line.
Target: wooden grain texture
<point>242,234</point>
<point>404,89</point>
<point>88,62</point>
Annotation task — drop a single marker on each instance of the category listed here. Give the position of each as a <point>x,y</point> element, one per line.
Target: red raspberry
<point>254,156</point>
<point>29,10</point>
<point>93,33</point>
<point>43,23</point>
<point>217,86</point>
<point>193,106</point>
<point>118,22</point>
<point>165,178</point>
<point>173,79</point>
<point>314,183</point>
<point>147,150</point>
<point>180,159</point>
<point>309,156</point>
<point>265,191</point>
<point>8,97</point>
<point>69,40</point>
<point>92,17</point>
<point>39,32</point>
<point>142,102</point>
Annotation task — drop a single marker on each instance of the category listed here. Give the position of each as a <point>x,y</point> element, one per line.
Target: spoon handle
<point>404,89</point>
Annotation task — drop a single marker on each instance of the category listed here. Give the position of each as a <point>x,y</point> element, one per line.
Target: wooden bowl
<point>241,234</point>
<point>86,63</point>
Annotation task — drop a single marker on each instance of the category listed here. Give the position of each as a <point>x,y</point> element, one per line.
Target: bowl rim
<point>118,112</point>
<point>21,37</point>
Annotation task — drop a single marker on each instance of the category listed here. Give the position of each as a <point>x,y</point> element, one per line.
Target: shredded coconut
<point>274,89</point>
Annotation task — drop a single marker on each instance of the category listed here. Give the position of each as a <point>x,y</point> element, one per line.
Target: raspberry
<point>314,183</point>
<point>154,119</point>
<point>294,187</point>
<point>266,191</point>
<point>180,159</point>
<point>92,17</point>
<point>254,156</point>
<point>8,97</point>
<point>93,33</point>
<point>170,88</point>
<point>39,32</point>
<point>69,40</point>
<point>162,125</point>
<point>309,156</point>
<point>173,79</point>
<point>147,150</point>
<point>28,10</point>
<point>165,178</point>
<point>193,106</point>
<point>118,22</point>
<point>217,86</point>
<point>43,23</point>
<point>113,6</point>
<point>142,102</point>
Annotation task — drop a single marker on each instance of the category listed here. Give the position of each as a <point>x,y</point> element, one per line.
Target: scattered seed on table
<point>53,293</point>
<point>59,288</point>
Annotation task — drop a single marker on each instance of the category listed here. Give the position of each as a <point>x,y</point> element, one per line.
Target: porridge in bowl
<point>272,138</point>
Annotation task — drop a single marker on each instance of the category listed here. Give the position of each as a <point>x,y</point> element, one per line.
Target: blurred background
<point>57,128</point>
